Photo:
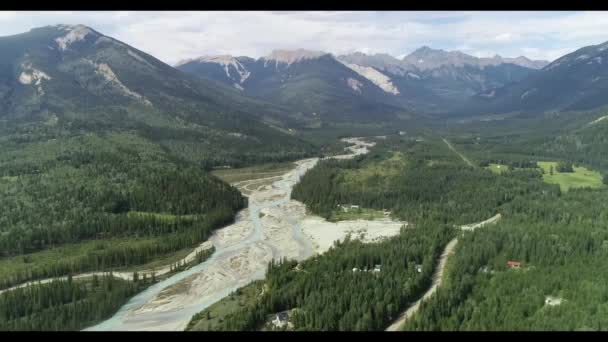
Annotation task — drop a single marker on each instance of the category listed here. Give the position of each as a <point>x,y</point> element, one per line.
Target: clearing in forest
<point>212,317</point>
<point>253,172</point>
<point>498,168</point>
<point>458,153</point>
<point>580,178</point>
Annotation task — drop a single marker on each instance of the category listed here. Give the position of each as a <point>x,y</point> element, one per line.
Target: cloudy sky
<point>172,36</point>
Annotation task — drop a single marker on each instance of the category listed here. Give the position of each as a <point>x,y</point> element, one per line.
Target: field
<point>212,317</point>
<point>253,172</point>
<point>72,253</point>
<point>376,172</point>
<point>580,178</point>
<point>498,168</point>
<point>355,214</point>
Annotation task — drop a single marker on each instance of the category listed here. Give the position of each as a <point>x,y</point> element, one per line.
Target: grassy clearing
<point>212,317</point>
<point>376,171</point>
<point>162,216</point>
<point>498,168</point>
<point>73,252</point>
<point>580,178</point>
<point>254,172</point>
<point>356,214</point>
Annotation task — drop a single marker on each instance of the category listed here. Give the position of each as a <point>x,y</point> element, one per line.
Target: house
<point>355,269</point>
<point>513,264</point>
<point>281,319</point>
<point>354,206</point>
<point>549,300</point>
<point>419,268</point>
<point>377,268</point>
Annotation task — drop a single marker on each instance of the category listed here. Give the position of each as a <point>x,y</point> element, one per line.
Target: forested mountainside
<point>105,153</point>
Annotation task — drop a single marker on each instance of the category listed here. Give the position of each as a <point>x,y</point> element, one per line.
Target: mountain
<point>436,80</point>
<point>360,86</point>
<point>314,83</point>
<point>576,81</point>
<point>426,58</point>
<point>74,75</point>
<point>224,68</point>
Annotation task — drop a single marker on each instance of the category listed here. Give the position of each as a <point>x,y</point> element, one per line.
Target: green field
<point>162,216</point>
<point>74,253</point>
<point>253,172</point>
<point>213,317</point>
<point>374,173</point>
<point>498,168</point>
<point>580,178</point>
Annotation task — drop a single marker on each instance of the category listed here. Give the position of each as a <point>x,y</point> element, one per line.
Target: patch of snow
<point>421,61</point>
<point>77,33</point>
<point>292,56</point>
<point>238,86</point>
<point>411,74</point>
<point>582,57</point>
<point>375,76</point>
<point>238,135</point>
<point>527,93</point>
<point>107,73</point>
<point>491,94</point>
<point>600,119</point>
<point>354,84</point>
<point>598,60</point>
<point>226,61</point>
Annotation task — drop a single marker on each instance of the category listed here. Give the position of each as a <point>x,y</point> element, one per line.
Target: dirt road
<point>458,153</point>
<point>438,275</point>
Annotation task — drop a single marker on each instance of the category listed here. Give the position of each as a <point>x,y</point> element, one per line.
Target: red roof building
<point>513,264</point>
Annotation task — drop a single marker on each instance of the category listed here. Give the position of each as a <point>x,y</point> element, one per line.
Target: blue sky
<point>172,36</point>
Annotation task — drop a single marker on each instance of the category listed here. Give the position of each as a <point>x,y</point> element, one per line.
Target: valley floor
<point>272,227</point>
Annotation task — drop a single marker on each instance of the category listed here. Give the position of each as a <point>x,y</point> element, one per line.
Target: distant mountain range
<point>426,80</point>
<point>576,81</point>
<point>75,72</point>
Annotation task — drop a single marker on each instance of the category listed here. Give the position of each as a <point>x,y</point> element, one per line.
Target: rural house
<point>513,264</point>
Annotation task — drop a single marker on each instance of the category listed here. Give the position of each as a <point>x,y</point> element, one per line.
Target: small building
<point>513,264</point>
<point>354,206</point>
<point>355,269</point>
<point>484,269</point>
<point>377,268</point>
<point>281,319</point>
<point>419,268</point>
<point>549,300</point>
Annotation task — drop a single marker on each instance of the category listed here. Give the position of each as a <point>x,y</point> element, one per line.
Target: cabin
<point>281,319</point>
<point>355,269</point>
<point>377,268</point>
<point>549,300</point>
<point>354,206</point>
<point>419,268</point>
<point>513,264</point>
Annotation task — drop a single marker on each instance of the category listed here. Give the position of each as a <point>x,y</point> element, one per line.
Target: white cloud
<point>172,36</point>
